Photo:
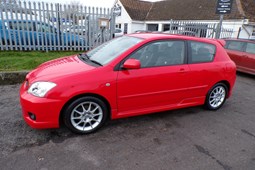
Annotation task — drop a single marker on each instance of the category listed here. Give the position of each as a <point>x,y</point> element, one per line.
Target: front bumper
<point>46,111</point>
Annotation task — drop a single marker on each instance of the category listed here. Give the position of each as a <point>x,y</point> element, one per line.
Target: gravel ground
<point>191,138</point>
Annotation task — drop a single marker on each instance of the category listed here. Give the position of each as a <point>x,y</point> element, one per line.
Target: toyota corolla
<point>128,76</point>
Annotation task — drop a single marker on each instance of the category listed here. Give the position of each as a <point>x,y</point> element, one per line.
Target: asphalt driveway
<point>184,139</point>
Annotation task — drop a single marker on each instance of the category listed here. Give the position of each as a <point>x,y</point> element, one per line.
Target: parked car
<point>76,29</point>
<point>30,32</point>
<point>188,33</point>
<point>242,52</point>
<point>118,32</point>
<point>147,31</point>
<point>131,75</point>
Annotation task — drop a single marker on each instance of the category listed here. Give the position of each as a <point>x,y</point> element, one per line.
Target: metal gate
<point>199,29</point>
<point>57,27</point>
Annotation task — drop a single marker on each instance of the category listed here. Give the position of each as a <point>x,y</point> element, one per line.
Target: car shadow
<point>136,126</point>
<point>245,75</point>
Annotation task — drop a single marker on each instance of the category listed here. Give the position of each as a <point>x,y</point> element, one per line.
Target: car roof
<point>158,36</point>
<point>240,39</point>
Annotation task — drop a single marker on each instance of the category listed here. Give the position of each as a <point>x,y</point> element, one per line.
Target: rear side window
<point>201,52</point>
<point>44,28</point>
<point>250,48</point>
<point>235,45</point>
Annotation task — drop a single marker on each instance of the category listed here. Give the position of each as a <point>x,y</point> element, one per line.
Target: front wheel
<point>85,115</point>
<point>216,96</point>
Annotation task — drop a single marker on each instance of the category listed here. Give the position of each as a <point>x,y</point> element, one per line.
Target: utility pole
<point>222,7</point>
<point>219,27</point>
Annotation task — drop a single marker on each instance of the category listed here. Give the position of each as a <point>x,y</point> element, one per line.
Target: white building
<point>138,15</point>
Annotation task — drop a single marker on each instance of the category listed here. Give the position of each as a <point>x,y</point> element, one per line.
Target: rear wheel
<point>85,115</point>
<point>216,96</point>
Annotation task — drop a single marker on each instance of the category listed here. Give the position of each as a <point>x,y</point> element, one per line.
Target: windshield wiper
<point>96,62</point>
<point>85,57</point>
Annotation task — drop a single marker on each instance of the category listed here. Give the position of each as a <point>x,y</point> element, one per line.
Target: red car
<point>128,76</point>
<point>242,52</point>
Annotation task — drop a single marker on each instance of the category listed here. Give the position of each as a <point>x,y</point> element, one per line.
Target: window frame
<point>118,67</point>
<point>243,46</point>
<point>190,52</point>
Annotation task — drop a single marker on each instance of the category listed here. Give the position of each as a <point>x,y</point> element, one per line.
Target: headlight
<point>39,89</point>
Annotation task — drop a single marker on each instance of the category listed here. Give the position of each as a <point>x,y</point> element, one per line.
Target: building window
<point>118,26</point>
<point>152,27</point>
<point>125,28</point>
<point>166,27</point>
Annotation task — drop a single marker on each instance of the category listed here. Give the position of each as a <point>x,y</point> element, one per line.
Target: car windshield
<point>110,50</point>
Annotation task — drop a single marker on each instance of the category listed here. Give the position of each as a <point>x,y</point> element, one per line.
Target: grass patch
<point>19,60</point>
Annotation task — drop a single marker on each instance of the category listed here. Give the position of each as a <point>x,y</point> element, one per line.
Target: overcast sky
<point>95,3</point>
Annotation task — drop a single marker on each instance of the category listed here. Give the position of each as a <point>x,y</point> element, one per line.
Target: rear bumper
<point>232,83</point>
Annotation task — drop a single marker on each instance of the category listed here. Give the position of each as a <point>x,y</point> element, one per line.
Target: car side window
<point>22,25</point>
<point>250,48</point>
<point>43,28</point>
<point>14,26</point>
<point>117,31</point>
<point>201,52</point>
<point>234,45</point>
<point>161,53</point>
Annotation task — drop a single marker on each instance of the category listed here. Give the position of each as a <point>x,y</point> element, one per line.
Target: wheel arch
<point>227,84</point>
<point>84,95</point>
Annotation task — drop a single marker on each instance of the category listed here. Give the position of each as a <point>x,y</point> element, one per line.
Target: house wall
<point>135,26</point>
<point>247,31</point>
<point>124,18</point>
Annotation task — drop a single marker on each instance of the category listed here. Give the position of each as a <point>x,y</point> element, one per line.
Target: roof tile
<point>185,10</point>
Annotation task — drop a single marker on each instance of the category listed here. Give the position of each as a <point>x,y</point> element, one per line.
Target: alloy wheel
<point>86,116</point>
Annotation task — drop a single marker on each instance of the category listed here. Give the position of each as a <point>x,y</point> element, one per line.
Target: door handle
<point>183,70</point>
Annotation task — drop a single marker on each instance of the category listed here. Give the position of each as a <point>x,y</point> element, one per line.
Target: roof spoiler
<point>221,42</point>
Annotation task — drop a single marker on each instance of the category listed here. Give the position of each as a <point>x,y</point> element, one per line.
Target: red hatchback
<point>242,52</point>
<point>128,76</point>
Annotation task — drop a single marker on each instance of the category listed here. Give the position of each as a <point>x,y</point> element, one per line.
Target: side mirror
<point>132,64</point>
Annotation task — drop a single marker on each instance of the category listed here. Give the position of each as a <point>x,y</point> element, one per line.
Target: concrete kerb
<point>12,77</point>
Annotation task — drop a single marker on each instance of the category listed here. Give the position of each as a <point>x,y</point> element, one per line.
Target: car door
<point>235,50</point>
<point>160,83</point>
<point>46,34</point>
<point>248,62</point>
<point>203,71</point>
<point>28,33</point>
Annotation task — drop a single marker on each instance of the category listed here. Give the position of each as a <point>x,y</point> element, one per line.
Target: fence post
<point>170,26</point>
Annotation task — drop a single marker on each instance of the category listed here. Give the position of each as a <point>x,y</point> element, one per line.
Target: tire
<point>216,96</point>
<point>85,115</point>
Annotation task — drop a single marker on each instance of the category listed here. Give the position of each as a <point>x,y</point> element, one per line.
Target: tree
<point>12,5</point>
<point>72,10</point>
